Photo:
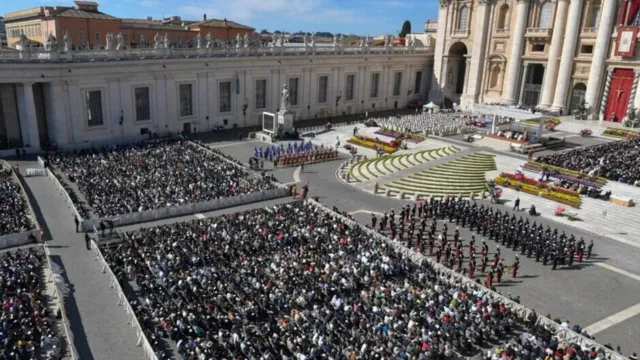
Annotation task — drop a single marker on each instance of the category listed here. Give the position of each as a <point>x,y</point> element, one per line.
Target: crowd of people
<point>617,161</point>
<point>295,153</point>
<point>27,326</point>
<point>416,226</point>
<point>145,176</point>
<point>15,215</point>
<point>427,123</point>
<point>295,282</point>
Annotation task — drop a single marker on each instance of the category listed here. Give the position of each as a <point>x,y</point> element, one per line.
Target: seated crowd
<point>293,282</point>
<point>617,161</point>
<point>14,210</point>
<point>146,176</point>
<point>27,328</point>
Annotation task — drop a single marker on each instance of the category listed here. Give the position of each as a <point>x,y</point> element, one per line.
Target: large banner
<point>627,40</point>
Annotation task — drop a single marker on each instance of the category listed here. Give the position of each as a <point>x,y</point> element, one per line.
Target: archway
<point>533,85</point>
<point>577,96</point>
<point>457,68</point>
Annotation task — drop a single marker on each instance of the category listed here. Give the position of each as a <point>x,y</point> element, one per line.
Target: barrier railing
<point>59,290</point>
<point>563,334</point>
<point>36,172</point>
<point>122,301</point>
<point>188,209</point>
<point>63,192</point>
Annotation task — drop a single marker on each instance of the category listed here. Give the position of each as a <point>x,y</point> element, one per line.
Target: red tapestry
<point>620,90</point>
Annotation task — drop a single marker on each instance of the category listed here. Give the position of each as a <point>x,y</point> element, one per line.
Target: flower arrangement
<point>415,138</point>
<point>573,180</point>
<point>586,132</point>
<point>620,133</point>
<point>370,143</point>
<point>563,198</point>
<point>539,184</point>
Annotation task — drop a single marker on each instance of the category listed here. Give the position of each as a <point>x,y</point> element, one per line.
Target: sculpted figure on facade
<point>198,41</point>
<point>166,41</point>
<point>156,41</point>
<point>246,40</point>
<point>313,41</point>
<point>48,45</point>
<point>120,39</point>
<point>304,40</point>
<point>67,41</point>
<point>109,42</point>
<point>238,41</point>
<point>284,101</point>
<point>208,39</point>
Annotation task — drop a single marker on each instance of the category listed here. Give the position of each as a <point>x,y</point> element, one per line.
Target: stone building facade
<point>551,54</point>
<point>89,97</point>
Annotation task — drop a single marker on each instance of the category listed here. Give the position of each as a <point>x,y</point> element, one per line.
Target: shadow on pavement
<point>73,314</point>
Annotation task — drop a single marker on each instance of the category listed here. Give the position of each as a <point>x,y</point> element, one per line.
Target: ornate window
<point>225,96</point>
<point>375,83</point>
<point>397,83</point>
<point>495,76</point>
<point>261,94</point>
<point>323,84</point>
<point>93,104</point>
<point>351,81</point>
<point>463,18</point>
<point>143,112</point>
<point>418,83</point>
<point>546,15</point>
<point>186,100</point>
<point>503,14</point>
<point>293,90</point>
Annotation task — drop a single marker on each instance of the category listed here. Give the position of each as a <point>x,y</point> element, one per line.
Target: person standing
<point>516,204</point>
<point>87,240</point>
<point>77,222</point>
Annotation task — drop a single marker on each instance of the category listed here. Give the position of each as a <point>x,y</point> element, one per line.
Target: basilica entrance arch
<point>456,73</point>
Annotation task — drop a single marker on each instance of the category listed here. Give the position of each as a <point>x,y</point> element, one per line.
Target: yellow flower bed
<point>556,121</point>
<point>371,145</point>
<point>562,198</point>
<point>619,133</point>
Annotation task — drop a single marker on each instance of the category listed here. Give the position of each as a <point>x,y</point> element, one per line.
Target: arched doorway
<point>456,71</point>
<point>577,95</point>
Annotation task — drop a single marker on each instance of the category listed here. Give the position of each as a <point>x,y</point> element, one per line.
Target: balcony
<point>589,32</point>
<point>538,33</point>
<point>502,32</point>
<point>460,33</point>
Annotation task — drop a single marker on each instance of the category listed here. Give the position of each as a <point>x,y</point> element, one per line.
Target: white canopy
<point>431,105</point>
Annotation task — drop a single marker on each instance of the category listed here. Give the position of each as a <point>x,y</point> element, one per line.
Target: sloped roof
<point>81,14</point>
<point>220,23</point>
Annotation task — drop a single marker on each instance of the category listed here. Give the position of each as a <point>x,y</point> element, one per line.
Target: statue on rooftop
<point>48,45</point>
<point>120,38</point>
<point>313,41</point>
<point>67,41</point>
<point>198,41</point>
<point>246,40</point>
<point>304,40</point>
<point>208,40</point>
<point>156,41</point>
<point>238,40</point>
<point>166,41</point>
<point>284,100</point>
<point>109,40</point>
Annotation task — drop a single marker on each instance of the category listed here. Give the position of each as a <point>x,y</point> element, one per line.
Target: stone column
<point>568,53</point>
<point>600,52</point>
<point>513,66</point>
<point>605,93</point>
<point>551,73</point>
<point>525,73</point>
<point>467,65</point>
<point>437,82</point>
<point>477,53</point>
<point>634,88</point>
<point>28,117</point>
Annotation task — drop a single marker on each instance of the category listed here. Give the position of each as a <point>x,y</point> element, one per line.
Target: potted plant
<point>632,118</point>
<point>582,111</point>
<point>586,132</point>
